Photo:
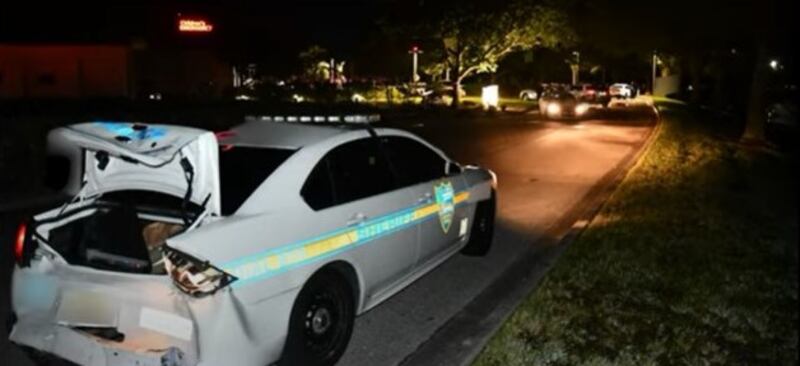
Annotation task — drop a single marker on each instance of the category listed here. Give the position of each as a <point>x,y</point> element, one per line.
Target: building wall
<point>179,73</point>
<point>666,85</point>
<point>44,71</point>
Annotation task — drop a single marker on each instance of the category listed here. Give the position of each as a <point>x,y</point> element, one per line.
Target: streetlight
<point>575,67</point>
<point>653,79</point>
<point>415,51</point>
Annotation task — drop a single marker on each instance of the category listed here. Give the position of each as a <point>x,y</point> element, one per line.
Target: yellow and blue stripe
<point>263,265</point>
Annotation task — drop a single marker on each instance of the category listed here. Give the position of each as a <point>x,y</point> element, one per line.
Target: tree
<point>473,38</point>
<point>317,65</point>
<point>756,103</point>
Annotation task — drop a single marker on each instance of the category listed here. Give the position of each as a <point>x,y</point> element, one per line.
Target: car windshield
<point>242,169</point>
<point>560,96</point>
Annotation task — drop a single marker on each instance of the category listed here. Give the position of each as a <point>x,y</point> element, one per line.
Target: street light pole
<point>332,73</point>
<point>653,79</point>
<point>415,51</point>
<point>576,68</point>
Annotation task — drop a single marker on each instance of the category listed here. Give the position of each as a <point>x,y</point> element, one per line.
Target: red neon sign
<point>194,25</point>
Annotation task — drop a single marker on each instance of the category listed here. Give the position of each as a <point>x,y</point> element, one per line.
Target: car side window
<point>415,162</point>
<point>318,188</point>
<point>349,172</point>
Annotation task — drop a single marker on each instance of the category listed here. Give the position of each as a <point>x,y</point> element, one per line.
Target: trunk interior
<point>123,231</point>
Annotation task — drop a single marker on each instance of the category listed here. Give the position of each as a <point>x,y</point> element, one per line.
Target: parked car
<point>561,104</point>
<point>620,90</point>
<point>247,247</point>
<point>528,94</point>
<point>441,94</point>
<point>590,93</point>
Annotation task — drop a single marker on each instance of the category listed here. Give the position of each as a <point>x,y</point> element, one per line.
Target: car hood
<point>135,156</point>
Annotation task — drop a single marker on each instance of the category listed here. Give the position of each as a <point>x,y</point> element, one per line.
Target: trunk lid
<point>175,160</point>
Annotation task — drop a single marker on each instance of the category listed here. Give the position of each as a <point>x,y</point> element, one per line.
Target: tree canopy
<point>468,38</point>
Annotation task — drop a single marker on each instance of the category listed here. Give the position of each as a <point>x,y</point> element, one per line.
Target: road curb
<point>460,340</point>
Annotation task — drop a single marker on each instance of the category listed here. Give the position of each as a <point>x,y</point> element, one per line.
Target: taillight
<point>192,276</point>
<point>24,247</point>
<point>19,241</point>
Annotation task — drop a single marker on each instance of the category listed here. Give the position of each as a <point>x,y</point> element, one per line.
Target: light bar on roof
<point>350,118</point>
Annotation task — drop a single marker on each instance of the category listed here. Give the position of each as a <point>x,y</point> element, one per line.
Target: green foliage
<point>692,261</point>
<point>316,64</point>
<point>389,94</point>
<point>473,40</point>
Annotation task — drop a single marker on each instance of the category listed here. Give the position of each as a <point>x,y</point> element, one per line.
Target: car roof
<point>283,135</point>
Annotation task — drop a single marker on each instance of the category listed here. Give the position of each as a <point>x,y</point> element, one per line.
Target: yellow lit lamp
<point>490,96</point>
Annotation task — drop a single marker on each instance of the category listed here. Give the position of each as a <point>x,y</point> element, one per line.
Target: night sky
<point>243,33</point>
<point>274,34</point>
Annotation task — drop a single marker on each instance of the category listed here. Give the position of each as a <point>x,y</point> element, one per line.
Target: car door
<point>354,185</point>
<point>436,195</point>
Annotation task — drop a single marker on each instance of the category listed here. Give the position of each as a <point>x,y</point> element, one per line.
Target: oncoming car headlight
<point>581,108</point>
<point>192,276</point>
<point>553,108</point>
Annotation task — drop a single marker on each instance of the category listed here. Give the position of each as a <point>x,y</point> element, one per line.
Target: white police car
<point>251,246</point>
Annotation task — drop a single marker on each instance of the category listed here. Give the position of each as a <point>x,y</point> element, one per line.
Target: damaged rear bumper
<point>82,349</point>
<point>97,318</point>
<point>102,320</point>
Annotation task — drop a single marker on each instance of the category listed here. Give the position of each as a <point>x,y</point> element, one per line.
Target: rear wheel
<point>321,322</point>
<point>480,239</point>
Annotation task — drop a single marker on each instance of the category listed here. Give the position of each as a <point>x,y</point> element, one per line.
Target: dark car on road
<point>561,104</point>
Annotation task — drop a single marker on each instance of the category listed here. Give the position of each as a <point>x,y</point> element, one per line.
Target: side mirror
<point>452,168</point>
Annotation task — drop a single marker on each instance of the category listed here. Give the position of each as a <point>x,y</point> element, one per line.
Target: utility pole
<point>653,79</point>
<point>576,67</point>
<point>332,72</point>
<point>415,51</point>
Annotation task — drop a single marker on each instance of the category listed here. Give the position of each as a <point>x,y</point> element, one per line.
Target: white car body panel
<point>273,244</point>
<point>158,145</point>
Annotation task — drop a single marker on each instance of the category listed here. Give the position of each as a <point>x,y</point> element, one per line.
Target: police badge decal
<point>445,199</point>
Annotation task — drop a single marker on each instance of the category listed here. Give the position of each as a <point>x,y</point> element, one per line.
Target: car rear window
<point>242,169</point>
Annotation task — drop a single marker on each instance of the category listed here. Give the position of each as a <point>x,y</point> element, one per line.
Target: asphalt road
<point>544,169</point>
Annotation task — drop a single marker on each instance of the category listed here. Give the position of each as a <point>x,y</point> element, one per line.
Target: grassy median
<point>693,261</point>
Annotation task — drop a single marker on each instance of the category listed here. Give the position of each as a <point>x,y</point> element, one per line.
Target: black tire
<point>480,240</point>
<point>321,322</point>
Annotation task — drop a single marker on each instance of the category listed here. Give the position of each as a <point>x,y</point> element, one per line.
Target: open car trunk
<point>100,286</point>
<point>113,156</point>
<point>121,231</point>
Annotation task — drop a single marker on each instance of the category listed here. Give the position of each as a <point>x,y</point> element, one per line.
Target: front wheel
<point>321,322</point>
<point>480,239</point>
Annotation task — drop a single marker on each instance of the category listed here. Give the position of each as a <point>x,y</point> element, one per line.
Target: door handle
<point>425,198</point>
<point>357,219</point>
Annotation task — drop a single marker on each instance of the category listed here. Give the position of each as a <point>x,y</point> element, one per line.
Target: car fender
<point>480,182</point>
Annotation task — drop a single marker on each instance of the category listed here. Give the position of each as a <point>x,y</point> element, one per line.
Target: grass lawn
<point>693,261</point>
